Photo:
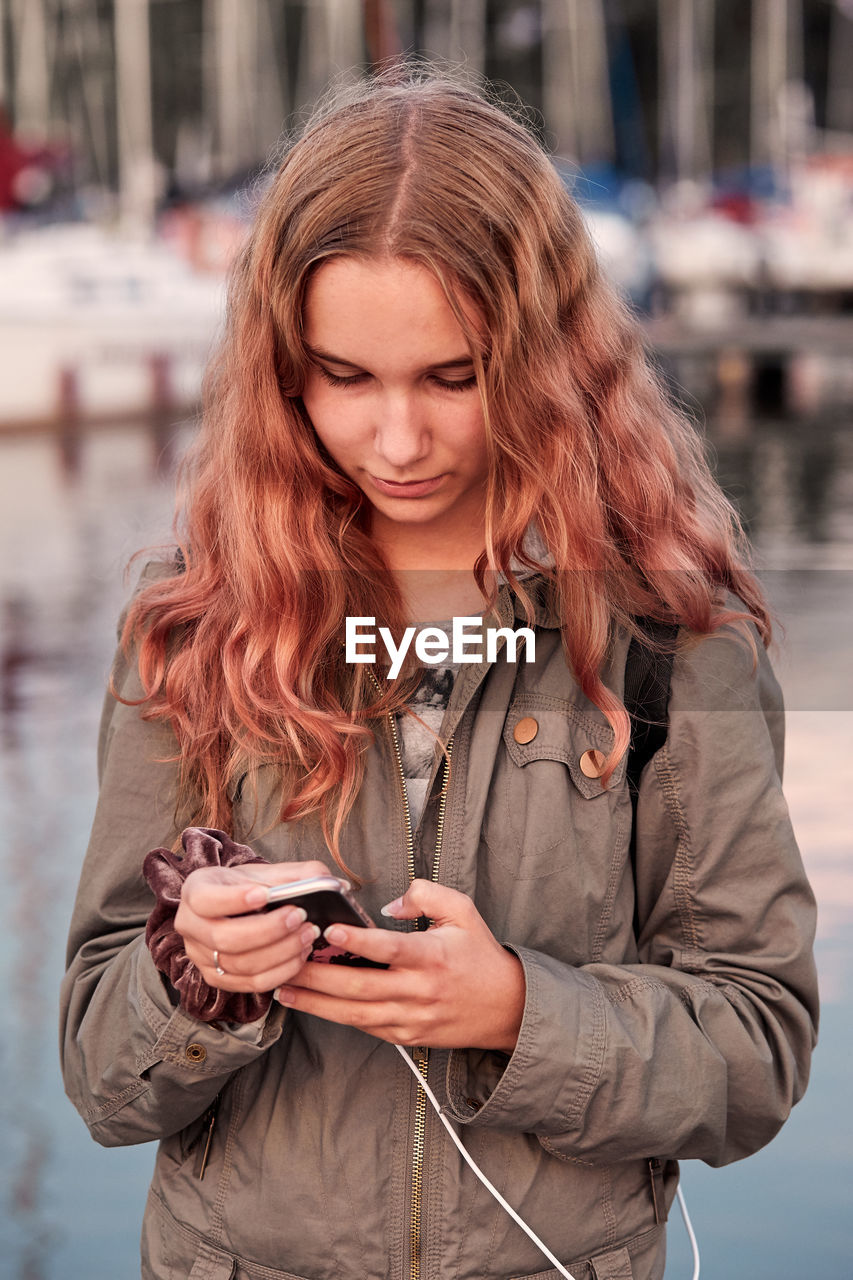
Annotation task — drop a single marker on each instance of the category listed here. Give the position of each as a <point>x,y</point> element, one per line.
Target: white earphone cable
<point>412,1065</point>
<point>485,1181</point>
<point>682,1204</point>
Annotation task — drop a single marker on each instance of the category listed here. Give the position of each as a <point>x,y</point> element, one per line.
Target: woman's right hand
<point>258,951</point>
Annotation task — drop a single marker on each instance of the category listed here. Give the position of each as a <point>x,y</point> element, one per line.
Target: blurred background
<point>710,143</point>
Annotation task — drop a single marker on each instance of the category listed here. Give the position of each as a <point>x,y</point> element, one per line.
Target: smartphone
<point>327,901</point>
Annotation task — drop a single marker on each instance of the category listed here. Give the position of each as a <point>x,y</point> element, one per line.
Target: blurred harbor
<point>711,145</point>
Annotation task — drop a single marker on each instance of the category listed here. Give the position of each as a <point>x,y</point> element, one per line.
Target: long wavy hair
<point>239,645</point>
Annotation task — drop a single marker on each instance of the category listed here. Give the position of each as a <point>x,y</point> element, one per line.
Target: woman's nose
<point>402,437</point>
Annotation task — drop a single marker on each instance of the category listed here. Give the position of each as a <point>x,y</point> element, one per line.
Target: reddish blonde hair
<point>241,649</point>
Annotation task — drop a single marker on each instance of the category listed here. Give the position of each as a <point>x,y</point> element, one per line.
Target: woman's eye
<point>335,381</point>
<point>465,384</point>
<point>355,379</point>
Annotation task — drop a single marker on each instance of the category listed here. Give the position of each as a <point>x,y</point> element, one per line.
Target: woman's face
<point>392,395</point>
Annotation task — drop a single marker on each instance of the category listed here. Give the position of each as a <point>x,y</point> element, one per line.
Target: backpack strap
<point>648,671</point>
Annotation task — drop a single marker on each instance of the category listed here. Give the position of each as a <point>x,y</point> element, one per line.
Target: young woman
<point>429,406</point>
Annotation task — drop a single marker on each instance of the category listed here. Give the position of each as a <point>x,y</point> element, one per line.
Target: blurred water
<point>71,513</point>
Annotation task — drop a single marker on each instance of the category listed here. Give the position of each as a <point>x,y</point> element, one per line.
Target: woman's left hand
<point>452,986</point>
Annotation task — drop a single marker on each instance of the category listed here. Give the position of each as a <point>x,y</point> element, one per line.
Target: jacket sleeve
<point>135,1066</point>
<point>701,1048</point>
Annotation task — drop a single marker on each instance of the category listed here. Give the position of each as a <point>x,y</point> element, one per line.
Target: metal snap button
<point>195,1053</point>
<point>526,730</point>
<point>592,764</point>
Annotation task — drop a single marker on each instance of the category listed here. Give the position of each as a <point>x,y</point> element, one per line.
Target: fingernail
<point>309,934</point>
<point>257,897</point>
<point>391,908</point>
<point>335,934</point>
<point>284,996</point>
<point>295,917</point>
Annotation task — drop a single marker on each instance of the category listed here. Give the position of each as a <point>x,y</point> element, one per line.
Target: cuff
<point>166,872</point>
<point>545,1085</point>
<point>200,1047</point>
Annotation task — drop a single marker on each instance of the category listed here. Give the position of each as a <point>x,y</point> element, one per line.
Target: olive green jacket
<point>689,1037</point>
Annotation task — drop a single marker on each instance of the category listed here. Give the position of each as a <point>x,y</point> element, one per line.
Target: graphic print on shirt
<point>417,744</point>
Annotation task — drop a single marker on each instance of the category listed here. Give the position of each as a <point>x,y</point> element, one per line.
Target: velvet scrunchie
<point>166,872</point>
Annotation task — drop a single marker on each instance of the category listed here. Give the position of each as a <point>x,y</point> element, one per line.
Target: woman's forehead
<point>361,309</point>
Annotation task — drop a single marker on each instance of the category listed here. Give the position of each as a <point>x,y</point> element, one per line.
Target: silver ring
<point>217,966</point>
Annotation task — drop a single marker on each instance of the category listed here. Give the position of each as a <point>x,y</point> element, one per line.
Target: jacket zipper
<point>421,1053</point>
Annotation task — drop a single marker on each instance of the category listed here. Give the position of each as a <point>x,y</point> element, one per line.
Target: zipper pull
<point>203,1151</point>
<point>656,1176</point>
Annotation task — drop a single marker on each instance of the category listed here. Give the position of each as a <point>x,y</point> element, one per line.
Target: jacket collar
<point>538,586</point>
<point>541,592</point>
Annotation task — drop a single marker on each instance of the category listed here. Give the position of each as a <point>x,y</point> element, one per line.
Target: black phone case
<point>325,907</point>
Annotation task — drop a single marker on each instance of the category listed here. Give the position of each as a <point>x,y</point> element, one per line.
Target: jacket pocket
<point>615,1265</point>
<point>171,1250</point>
<point>547,806</point>
<point>641,1258</point>
<point>211,1264</point>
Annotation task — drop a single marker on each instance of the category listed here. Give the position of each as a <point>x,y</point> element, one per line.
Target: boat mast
<point>839,92</point>
<point>137,167</point>
<point>576,82</point>
<point>4,100</point>
<point>32,74</point>
<point>456,31</point>
<point>777,106</point>
<point>272,81</point>
<point>230,28</point>
<point>243,84</point>
<point>468,32</point>
<point>332,46</point>
<point>685,95</point>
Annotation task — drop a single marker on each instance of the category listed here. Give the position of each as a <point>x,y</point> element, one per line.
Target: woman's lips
<point>411,489</point>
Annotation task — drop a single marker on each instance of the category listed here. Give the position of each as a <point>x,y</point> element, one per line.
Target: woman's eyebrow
<point>317,354</point>
<point>461,362</point>
<point>458,362</point>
